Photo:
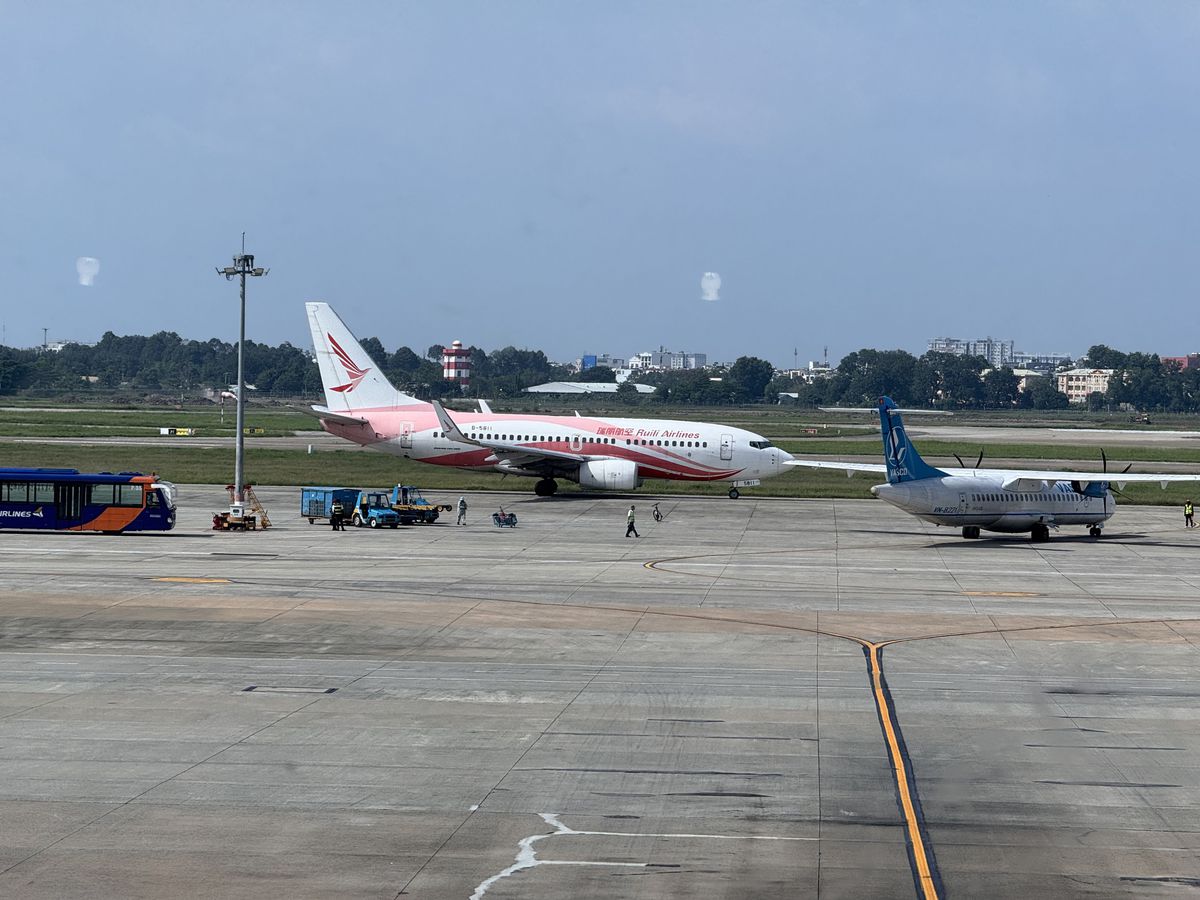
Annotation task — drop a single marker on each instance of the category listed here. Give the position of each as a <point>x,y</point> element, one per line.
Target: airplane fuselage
<point>981,501</point>
<point>661,448</point>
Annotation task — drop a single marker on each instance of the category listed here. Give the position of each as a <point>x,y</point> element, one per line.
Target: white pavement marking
<point>527,856</point>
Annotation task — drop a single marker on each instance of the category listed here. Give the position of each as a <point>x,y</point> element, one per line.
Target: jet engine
<point>609,474</point>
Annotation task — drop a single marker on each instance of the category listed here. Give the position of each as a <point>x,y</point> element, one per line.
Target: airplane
<point>1000,500</point>
<point>362,406</point>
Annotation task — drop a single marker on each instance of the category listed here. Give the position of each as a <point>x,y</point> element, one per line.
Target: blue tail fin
<point>904,463</point>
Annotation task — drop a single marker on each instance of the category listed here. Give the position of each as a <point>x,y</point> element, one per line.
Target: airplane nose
<point>784,456</point>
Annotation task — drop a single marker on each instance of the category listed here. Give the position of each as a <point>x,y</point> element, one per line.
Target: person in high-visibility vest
<point>1187,514</point>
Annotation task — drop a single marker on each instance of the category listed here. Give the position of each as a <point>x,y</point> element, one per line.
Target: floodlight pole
<point>243,265</point>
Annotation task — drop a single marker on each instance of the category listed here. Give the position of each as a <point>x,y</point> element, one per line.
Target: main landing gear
<point>733,494</point>
<point>1095,531</point>
<point>1040,534</point>
<point>546,487</point>
<point>971,532</point>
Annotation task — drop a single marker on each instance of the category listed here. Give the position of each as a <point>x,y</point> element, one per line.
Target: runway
<point>756,699</point>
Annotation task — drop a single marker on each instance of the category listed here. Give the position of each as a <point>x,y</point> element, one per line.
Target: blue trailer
<point>315,502</point>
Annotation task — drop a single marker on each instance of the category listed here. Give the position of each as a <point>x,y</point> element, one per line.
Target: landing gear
<point>1041,534</point>
<point>971,532</point>
<point>733,494</point>
<point>1095,531</point>
<point>546,487</point>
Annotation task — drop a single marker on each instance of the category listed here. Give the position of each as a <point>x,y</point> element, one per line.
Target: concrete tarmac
<point>558,711</point>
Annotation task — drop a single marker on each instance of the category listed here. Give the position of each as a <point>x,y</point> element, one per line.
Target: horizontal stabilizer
<point>327,415</point>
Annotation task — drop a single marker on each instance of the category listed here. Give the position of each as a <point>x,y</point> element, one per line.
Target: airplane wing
<point>1036,479</point>
<point>320,412</point>
<point>848,467</point>
<point>515,455</point>
<point>1019,479</point>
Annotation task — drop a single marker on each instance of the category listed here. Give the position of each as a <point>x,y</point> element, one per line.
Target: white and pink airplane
<point>362,406</point>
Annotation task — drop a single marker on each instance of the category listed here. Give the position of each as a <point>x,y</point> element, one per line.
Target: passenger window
<point>103,494</point>
<point>129,495</point>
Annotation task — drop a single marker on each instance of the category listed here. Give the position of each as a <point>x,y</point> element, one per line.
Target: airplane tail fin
<point>904,463</point>
<point>352,380</point>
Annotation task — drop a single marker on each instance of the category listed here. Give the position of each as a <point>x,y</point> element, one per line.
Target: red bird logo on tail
<point>353,372</point>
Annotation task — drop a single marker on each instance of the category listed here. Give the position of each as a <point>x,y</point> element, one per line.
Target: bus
<point>70,500</point>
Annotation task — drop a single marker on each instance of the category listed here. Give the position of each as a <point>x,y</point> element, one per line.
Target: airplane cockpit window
<point>761,445</point>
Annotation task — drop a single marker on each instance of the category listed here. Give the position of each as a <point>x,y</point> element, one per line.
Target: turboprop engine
<point>609,474</point>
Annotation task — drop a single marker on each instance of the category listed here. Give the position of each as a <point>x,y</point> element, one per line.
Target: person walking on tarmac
<point>462,510</point>
<point>630,518</point>
<point>1187,515</point>
<point>337,516</point>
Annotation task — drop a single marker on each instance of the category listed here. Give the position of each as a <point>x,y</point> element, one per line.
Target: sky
<point>559,176</point>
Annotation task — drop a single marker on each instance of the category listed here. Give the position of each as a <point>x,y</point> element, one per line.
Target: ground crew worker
<point>630,517</point>
<point>336,514</point>
<point>1187,514</point>
<point>462,510</point>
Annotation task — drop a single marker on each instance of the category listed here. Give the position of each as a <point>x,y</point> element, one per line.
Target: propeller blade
<point>979,461</point>
<point>1104,459</point>
<point>1127,468</point>
<point>961,464</point>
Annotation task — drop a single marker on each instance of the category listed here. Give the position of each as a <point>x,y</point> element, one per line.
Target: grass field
<point>352,466</point>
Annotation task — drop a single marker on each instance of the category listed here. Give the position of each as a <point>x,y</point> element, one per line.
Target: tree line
<point>166,363</point>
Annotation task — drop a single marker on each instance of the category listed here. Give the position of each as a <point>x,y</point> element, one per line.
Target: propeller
<point>1112,487</point>
<point>963,465</point>
<point>1104,461</point>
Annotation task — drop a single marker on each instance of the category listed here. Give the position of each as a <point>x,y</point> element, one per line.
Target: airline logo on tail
<point>353,372</point>
<point>898,447</point>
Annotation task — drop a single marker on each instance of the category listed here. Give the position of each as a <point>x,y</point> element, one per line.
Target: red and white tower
<point>456,364</point>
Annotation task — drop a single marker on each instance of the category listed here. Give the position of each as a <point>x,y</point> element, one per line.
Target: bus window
<point>14,492</point>
<point>43,492</point>
<point>103,494</point>
<point>129,495</point>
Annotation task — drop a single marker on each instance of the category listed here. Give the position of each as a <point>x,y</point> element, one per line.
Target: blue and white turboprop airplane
<point>1004,500</point>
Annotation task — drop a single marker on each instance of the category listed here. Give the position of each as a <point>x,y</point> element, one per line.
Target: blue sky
<point>560,175</point>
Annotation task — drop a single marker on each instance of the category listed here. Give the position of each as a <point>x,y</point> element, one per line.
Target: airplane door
<point>406,434</point>
<point>576,443</point>
<point>962,503</point>
<point>727,446</point>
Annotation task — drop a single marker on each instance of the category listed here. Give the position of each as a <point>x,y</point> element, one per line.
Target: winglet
<point>484,408</point>
<point>452,431</point>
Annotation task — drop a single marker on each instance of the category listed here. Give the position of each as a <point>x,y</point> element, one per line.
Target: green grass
<point>207,420</point>
<point>355,467</point>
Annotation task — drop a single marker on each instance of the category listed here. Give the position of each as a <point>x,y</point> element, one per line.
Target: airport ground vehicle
<point>504,520</point>
<point>316,502</point>
<point>70,500</point>
<point>373,508</point>
<point>414,509</point>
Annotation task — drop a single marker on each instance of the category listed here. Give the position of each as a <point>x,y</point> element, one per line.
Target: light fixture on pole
<point>243,265</point>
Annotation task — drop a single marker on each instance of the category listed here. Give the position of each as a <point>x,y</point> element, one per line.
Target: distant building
<point>661,359</point>
<point>456,364</point>
<point>1045,363</point>
<point>815,371</point>
<point>1078,383</point>
<point>592,360</point>
<point>997,353</point>
<point>1191,361</point>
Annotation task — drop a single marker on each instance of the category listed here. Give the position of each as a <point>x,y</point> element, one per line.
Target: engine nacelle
<point>609,474</point>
